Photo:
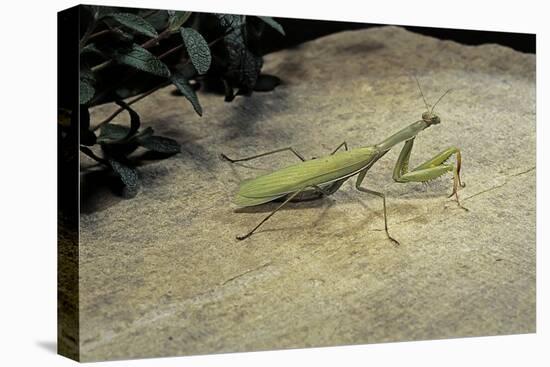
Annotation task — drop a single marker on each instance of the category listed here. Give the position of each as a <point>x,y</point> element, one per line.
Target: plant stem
<point>174,49</point>
<point>102,66</point>
<point>136,99</point>
<point>151,12</point>
<point>106,63</point>
<point>88,32</point>
<point>92,155</point>
<point>154,41</point>
<point>151,91</point>
<point>105,31</point>
<point>147,44</point>
<point>100,33</point>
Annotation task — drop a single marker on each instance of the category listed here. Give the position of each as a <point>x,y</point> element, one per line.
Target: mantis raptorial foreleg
<point>429,170</point>
<point>287,200</point>
<point>360,179</point>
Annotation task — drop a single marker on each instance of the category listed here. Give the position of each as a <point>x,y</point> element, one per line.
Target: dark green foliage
<point>87,82</point>
<point>243,61</point>
<point>128,175</point>
<point>231,22</point>
<point>139,58</point>
<point>90,48</point>
<point>244,67</point>
<point>135,121</point>
<point>118,142</point>
<point>197,49</point>
<point>126,52</point>
<point>177,19</point>
<point>187,90</point>
<point>159,144</point>
<point>87,89</point>
<point>273,24</point>
<point>134,23</point>
<point>112,133</point>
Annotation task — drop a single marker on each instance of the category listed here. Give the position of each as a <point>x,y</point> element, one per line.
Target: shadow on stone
<point>251,111</point>
<point>269,207</point>
<point>99,190</point>
<point>360,48</point>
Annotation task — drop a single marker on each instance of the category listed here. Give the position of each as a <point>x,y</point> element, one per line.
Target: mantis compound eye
<point>430,118</point>
<point>427,116</point>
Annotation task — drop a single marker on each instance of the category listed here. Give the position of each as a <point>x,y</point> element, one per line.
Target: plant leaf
<point>270,21</point>
<point>177,19</point>
<point>197,48</point>
<point>135,121</point>
<point>112,133</point>
<point>157,18</point>
<point>148,131</point>
<point>87,90</point>
<point>103,11</point>
<point>243,66</point>
<point>228,91</point>
<point>159,144</point>
<point>231,21</point>
<point>117,134</point>
<point>95,10</point>
<point>128,175</point>
<point>188,92</point>
<point>141,59</point>
<point>135,23</point>
<point>91,47</point>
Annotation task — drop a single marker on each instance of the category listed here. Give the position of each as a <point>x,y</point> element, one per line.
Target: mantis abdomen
<point>315,172</point>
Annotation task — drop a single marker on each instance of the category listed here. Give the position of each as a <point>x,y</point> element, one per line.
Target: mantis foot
<point>455,194</point>
<point>394,241</point>
<point>226,158</point>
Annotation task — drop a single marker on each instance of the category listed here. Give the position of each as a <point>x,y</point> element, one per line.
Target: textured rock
<point>162,274</point>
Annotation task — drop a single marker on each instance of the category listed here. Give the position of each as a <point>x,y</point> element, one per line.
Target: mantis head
<point>429,117</point>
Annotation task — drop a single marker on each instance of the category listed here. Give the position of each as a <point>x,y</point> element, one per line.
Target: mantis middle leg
<point>429,170</point>
<point>379,194</point>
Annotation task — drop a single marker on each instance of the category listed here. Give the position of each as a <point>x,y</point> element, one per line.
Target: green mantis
<point>315,178</point>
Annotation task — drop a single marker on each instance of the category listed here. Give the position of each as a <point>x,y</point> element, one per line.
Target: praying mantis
<point>318,177</point>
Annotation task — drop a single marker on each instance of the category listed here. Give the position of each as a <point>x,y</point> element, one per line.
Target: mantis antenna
<point>422,94</point>
<point>440,98</point>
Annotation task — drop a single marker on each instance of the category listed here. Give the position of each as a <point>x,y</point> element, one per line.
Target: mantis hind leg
<point>223,156</point>
<point>287,200</point>
<point>344,144</point>
<point>379,194</point>
<point>431,169</point>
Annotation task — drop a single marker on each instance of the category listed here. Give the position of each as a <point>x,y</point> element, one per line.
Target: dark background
<point>301,30</point>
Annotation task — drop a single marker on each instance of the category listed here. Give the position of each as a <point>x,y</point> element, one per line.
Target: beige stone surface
<point>162,274</point>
